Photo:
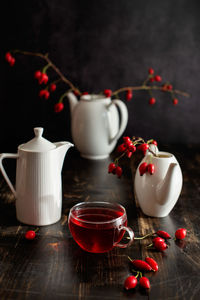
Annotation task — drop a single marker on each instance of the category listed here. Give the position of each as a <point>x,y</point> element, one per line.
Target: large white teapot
<point>38,179</point>
<point>95,124</point>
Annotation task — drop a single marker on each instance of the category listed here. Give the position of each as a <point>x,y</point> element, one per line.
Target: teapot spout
<point>166,189</point>
<point>73,101</point>
<point>62,148</point>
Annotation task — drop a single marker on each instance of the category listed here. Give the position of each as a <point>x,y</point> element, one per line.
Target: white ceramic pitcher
<point>95,124</point>
<point>38,180</point>
<point>158,193</point>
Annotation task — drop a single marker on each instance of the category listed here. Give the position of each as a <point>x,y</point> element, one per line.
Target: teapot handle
<point>124,118</point>
<point>7,155</point>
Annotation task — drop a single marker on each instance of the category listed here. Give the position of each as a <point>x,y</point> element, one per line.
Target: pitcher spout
<point>165,190</point>
<point>62,148</point>
<point>73,101</point>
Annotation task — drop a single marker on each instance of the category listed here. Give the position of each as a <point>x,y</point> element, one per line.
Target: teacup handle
<point>131,236</point>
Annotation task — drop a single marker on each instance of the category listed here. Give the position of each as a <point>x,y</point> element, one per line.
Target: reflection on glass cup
<point>97,227</point>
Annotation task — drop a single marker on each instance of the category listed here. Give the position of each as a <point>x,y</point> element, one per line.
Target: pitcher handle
<point>7,155</point>
<point>124,118</point>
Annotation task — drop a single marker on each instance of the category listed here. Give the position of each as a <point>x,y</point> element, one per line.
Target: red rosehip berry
<point>37,74</point>
<point>151,79</point>
<point>111,167</point>
<point>169,87</point>
<point>43,78</point>
<point>152,101</point>
<point>132,148</point>
<point>154,143</point>
<point>118,171</point>
<point>160,246</point>
<point>158,239</point>
<point>107,93</point>
<point>158,78</point>
<point>163,234</point>
<point>143,168</point>
<point>121,148</point>
<point>151,169</point>
<point>44,93</point>
<point>151,71</point>
<point>175,101</point>
<point>52,87</point>
<point>129,95</point>
<point>143,147</point>
<point>144,282</point>
<point>141,265</point>
<point>12,61</point>
<point>8,57</point>
<point>130,282</point>
<point>180,233</point>
<point>85,93</point>
<point>152,263</point>
<point>30,235</point>
<point>126,139</point>
<point>58,107</point>
<point>129,153</point>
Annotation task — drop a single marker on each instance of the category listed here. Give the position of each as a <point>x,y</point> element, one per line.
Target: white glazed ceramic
<point>95,124</point>
<point>158,193</point>
<point>38,180</point>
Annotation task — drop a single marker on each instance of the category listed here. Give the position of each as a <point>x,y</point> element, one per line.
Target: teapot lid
<point>38,143</point>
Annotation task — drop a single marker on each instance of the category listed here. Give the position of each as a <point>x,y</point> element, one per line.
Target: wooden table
<point>52,266</point>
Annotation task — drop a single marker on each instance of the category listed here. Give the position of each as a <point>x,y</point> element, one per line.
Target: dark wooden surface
<point>53,267</point>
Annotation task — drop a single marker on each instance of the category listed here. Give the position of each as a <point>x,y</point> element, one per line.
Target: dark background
<point>97,45</point>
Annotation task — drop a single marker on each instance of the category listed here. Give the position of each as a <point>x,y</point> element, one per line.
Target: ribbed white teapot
<point>96,124</point>
<point>38,190</point>
<point>158,193</point>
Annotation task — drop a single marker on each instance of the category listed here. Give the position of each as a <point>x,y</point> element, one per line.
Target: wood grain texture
<point>53,267</point>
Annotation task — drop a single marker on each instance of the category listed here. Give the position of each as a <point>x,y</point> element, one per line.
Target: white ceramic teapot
<point>95,124</point>
<point>158,193</point>
<point>38,180</point>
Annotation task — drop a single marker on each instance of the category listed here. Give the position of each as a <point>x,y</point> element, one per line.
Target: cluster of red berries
<point>127,148</point>
<point>150,264</point>
<point>10,59</point>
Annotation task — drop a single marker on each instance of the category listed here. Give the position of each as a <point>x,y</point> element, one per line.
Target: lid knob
<point>38,131</point>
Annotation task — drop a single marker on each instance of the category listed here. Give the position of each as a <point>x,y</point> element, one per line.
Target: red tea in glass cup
<point>97,227</point>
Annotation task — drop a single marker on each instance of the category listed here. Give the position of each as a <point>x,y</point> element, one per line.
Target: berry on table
<point>141,265</point>
<point>152,263</point>
<point>163,234</point>
<point>58,107</point>
<point>160,246</point>
<point>156,239</point>
<point>111,168</point>
<point>180,233</point>
<point>144,282</point>
<point>130,282</point>
<point>30,235</point>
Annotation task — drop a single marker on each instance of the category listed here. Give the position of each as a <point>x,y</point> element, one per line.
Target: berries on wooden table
<point>152,263</point>
<point>163,234</point>
<point>144,282</point>
<point>156,239</point>
<point>160,246</point>
<point>180,233</point>
<point>130,282</point>
<point>30,235</point>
